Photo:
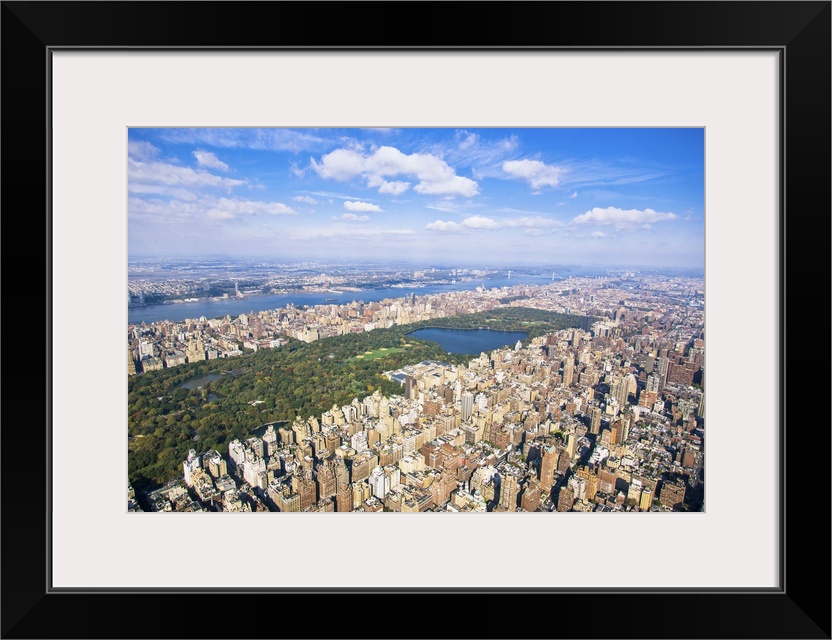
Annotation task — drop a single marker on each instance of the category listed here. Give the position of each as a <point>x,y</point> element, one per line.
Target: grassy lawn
<point>378,353</point>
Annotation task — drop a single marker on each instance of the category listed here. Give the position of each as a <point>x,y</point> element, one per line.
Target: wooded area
<point>299,378</point>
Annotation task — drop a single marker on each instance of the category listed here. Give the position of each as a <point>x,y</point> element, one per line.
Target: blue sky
<point>474,197</point>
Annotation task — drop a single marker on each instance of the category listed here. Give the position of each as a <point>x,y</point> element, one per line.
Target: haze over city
<point>467,196</point>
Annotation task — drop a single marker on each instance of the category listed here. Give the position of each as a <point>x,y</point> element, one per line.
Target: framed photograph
<point>90,87</point>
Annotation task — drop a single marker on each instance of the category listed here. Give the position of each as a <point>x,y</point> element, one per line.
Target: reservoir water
<point>197,381</point>
<point>473,341</point>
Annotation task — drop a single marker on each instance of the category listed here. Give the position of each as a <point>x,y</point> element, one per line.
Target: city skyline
<point>509,196</point>
<point>587,395</point>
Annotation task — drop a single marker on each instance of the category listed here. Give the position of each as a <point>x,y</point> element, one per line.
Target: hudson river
<point>177,312</point>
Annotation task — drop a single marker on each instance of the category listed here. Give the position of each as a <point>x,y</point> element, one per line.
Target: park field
<point>378,353</point>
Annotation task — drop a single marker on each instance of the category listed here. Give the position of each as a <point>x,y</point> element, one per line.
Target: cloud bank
<point>431,174</point>
<point>536,173</point>
<point>623,218</point>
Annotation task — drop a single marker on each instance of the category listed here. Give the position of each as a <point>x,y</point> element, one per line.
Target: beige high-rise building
<point>571,445</point>
<point>343,498</point>
<point>327,484</point>
<point>287,500</point>
<point>565,498</point>
<point>595,421</point>
<point>606,481</point>
<point>548,465</point>
<point>568,371</point>
<point>361,491</point>
<point>307,489</point>
<point>531,495</point>
<point>509,490</point>
<point>591,480</point>
<point>196,350</point>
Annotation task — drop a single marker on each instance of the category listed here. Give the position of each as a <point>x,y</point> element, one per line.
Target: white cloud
<point>141,150</point>
<point>398,232</point>
<point>532,225</point>
<point>351,217</point>
<point>341,164</point>
<point>162,190</point>
<point>465,139</point>
<point>457,207</point>
<point>392,187</point>
<point>481,222</point>
<point>329,194</point>
<point>485,156</point>
<point>434,175</point>
<point>536,173</point>
<point>529,222</point>
<point>453,186</point>
<point>296,171</point>
<point>574,195</point>
<point>621,218</point>
<point>163,210</point>
<point>361,206</point>
<point>209,160</point>
<point>161,173</point>
<point>599,173</point>
<point>441,225</point>
<point>293,140</point>
<point>214,208</point>
<point>597,234</point>
<point>305,199</point>
<point>229,208</point>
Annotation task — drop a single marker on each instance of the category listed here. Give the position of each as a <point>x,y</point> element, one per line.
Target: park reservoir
<point>473,341</point>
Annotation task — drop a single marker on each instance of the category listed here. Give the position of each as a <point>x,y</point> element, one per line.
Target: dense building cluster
<point>662,302</point>
<point>610,419</point>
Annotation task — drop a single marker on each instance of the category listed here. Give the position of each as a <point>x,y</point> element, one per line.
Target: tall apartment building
<point>548,466</point>
<point>565,498</point>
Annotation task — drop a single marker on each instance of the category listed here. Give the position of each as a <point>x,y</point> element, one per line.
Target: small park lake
<point>473,341</point>
<point>197,381</point>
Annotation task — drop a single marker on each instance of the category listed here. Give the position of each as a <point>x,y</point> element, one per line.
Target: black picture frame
<point>799,31</point>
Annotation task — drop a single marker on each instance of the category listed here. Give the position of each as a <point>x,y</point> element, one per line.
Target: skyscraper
<point>467,402</point>
<point>591,481</point>
<point>190,465</point>
<point>531,495</point>
<point>509,490</point>
<point>327,484</point>
<point>664,364</point>
<point>307,489</point>
<point>571,445</point>
<point>568,371</point>
<point>565,498</point>
<point>547,467</point>
<point>379,483</point>
<point>343,498</point>
<point>595,421</point>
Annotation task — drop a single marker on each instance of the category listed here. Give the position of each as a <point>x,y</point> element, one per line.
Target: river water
<point>177,312</point>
